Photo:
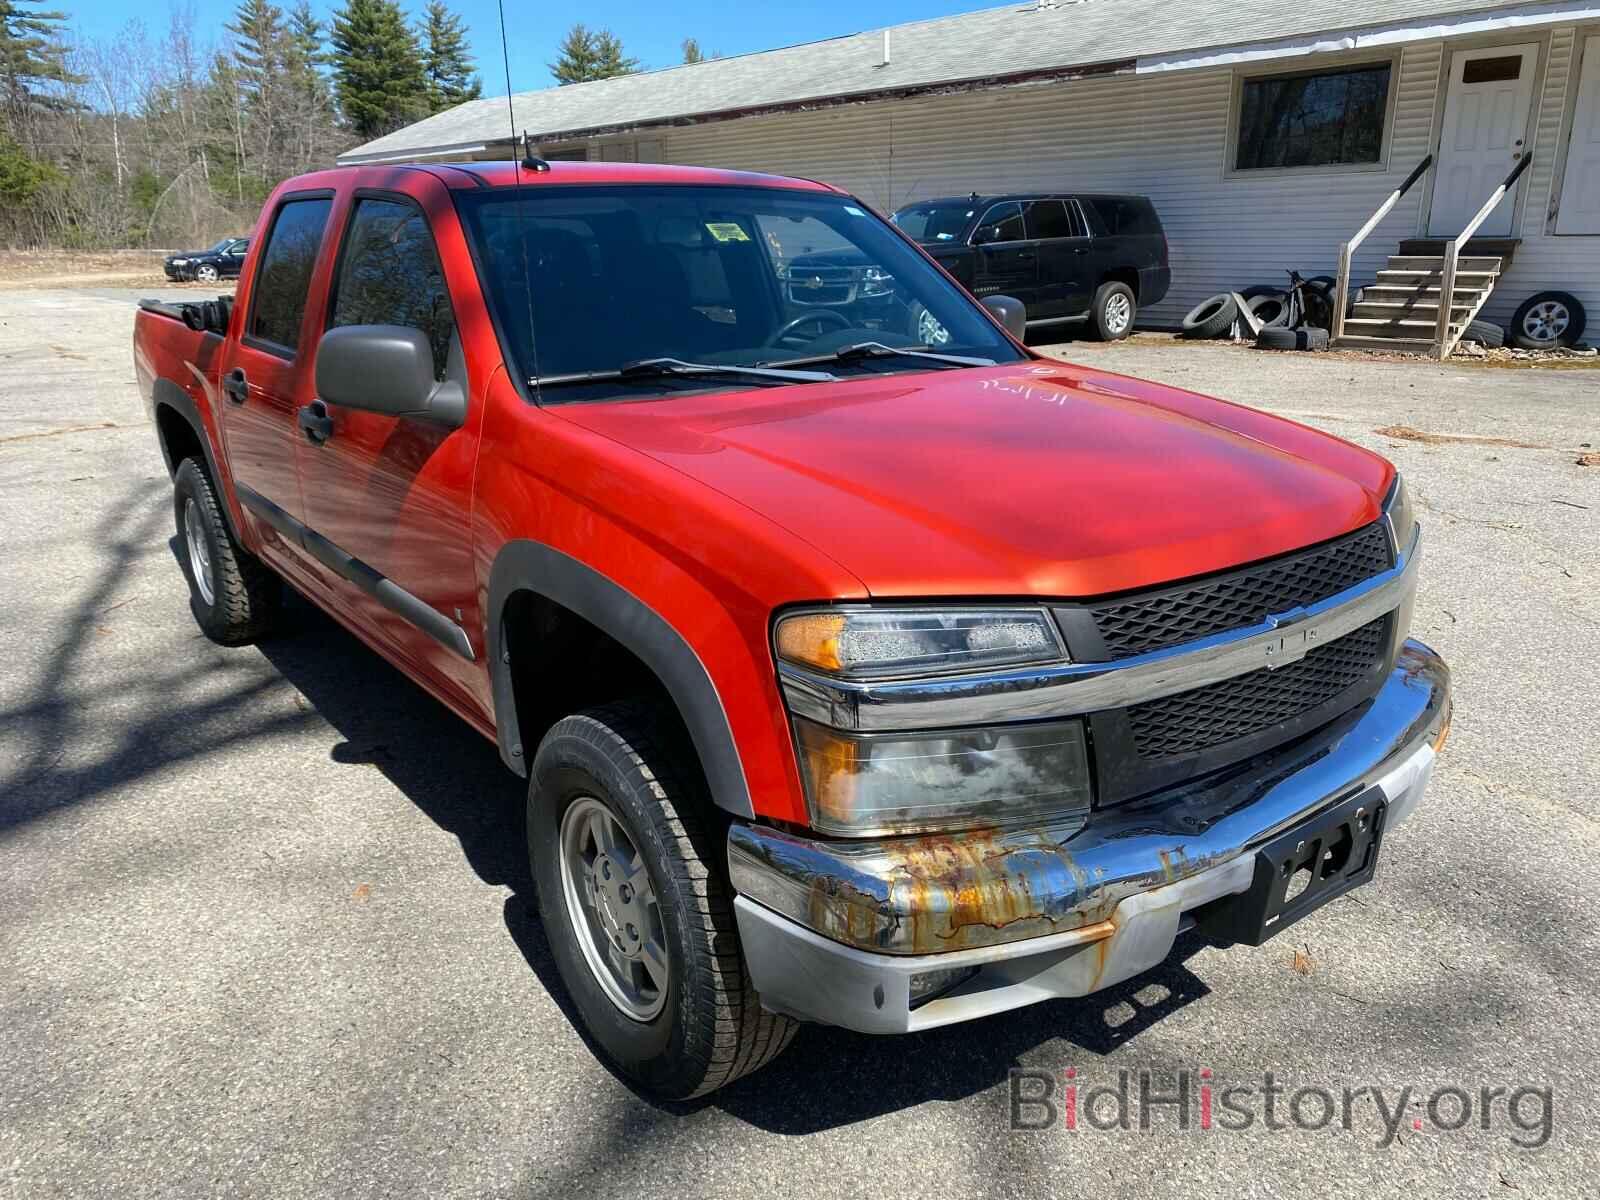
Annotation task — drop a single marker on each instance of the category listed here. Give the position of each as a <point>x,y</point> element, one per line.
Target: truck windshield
<point>588,282</point>
<point>935,222</point>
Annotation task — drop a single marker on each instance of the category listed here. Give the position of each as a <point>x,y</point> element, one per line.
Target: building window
<point>1317,119</point>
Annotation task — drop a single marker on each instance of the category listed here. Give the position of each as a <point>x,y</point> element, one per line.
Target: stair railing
<point>1443,341</point>
<point>1348,250</point>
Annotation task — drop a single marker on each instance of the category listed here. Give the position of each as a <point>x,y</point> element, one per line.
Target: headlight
<point>178,262</point>
<point>915,781</point>
<point>875,281</point>
<point>1401,516</point>
<point>903,642</point>
<point>871,784</point>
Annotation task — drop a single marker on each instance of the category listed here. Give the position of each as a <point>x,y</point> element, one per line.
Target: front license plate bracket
<point>1302,869</point>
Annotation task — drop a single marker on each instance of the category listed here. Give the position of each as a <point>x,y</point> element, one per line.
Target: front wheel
<point>1114,310</point>
<point>627,857</point>
<point>206,273</point>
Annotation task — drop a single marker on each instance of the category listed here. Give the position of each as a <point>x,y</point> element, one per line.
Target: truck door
<point>268,369</point>
<point>1005,262</point>
<point>387,497</point>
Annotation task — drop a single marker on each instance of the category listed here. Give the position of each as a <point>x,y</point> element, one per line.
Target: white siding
<point>1164,136</point>
<point>1544,262</point>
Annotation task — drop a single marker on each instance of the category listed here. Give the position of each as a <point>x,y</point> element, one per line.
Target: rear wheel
<point>627,854</point>
<point>233,595</point>
<point>1114,311</point>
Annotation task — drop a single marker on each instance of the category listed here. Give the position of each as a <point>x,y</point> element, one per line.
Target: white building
<point>1184,102</point>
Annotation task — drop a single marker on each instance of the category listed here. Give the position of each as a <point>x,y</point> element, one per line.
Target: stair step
<point>1481,278</point>
<point>1421,262</point>
<point>1427,310</point>
<point>1400,345</point>
<point>1393,324</point>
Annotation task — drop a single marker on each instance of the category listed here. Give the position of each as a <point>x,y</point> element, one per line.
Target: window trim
<point>1070,205</point>
<point>1320,65</point>
<point>267,345</point>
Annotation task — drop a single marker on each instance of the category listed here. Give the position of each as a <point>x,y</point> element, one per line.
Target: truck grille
<point>823,285</point>
<point>1209,716</point>
<point>1190,611</point>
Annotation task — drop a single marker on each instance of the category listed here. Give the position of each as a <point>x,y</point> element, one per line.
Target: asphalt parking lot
<point>265,922</point>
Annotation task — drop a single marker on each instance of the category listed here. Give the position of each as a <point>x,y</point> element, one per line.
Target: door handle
<point>236,386</point>
<point>1080,249</point>
<point>315,422</point>
<point>1026,256</point>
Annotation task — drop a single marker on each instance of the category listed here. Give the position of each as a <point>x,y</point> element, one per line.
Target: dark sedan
<point>221,261</point>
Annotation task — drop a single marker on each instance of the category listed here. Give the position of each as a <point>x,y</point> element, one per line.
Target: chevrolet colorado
<point>854,680</point>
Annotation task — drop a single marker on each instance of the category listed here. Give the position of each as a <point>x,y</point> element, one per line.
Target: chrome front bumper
<point>835,931</point>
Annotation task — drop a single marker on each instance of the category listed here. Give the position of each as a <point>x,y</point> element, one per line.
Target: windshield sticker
<point>727,231</point>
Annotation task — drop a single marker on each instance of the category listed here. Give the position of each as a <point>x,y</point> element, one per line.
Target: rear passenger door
<point>1005,262</point>
<point>1057,229</point>
<point>268,374</point>
<point>387,497</point>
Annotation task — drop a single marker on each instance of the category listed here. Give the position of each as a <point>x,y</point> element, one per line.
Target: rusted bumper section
<point>841,931</point>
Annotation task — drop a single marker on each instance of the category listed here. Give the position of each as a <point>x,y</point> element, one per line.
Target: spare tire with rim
<point>1546,320</point>
<point>1212,317</point>
<point>1278,338</point>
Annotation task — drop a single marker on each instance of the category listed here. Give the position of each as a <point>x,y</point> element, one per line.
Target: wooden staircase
<point>1423,301</point>
<point>1400,311</point>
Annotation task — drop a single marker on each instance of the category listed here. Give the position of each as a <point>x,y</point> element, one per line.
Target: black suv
<point>1066,256</point>
<point>222,261</point>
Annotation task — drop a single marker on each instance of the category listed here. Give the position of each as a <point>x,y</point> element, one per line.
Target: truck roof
<point>469,175</point>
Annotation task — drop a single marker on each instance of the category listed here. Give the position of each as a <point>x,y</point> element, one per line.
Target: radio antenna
<point>533,163</point>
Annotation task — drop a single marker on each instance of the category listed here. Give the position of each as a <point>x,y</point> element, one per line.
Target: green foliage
<point>691,51</point>
<point>446,64</point>
<point>23,178</point>
<point>32,58</point>
<point>377,67</point>
<point>586,54</point>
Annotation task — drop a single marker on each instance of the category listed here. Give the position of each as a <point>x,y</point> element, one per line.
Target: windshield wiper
<point>667,368</point>
<point>862,350</point>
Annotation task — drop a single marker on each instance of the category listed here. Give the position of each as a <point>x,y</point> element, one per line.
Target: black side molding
<point>540,569</point>
<point>377,585</point>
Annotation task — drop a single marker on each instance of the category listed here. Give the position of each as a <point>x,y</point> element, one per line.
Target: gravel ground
<point>265,925</point>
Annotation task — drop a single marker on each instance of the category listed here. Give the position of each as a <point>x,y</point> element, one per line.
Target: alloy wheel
<point>194,532</point>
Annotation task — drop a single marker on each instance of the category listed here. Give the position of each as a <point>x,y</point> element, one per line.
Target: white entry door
<point>1580,187</point>
<point>1484,132</point>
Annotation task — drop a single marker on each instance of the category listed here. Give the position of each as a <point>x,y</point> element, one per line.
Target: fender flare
<point>165,393</point>
<point>532,566</point>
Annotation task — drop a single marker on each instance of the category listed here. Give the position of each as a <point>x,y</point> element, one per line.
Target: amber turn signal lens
<point>812,639</point>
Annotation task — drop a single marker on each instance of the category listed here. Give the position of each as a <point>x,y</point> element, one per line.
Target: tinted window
<point>1492,70</point>
<point>1313,119</point>
<point>283,276</point>
<point>389,274</point>
<point>1125,215</point>
<point>943,222</point>
<point>1002,223</point>
<point>1051,219</point>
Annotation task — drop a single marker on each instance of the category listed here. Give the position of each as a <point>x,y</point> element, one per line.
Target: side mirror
<point>386,369</point>
<point>984,234</point>
<point>1008,310</point>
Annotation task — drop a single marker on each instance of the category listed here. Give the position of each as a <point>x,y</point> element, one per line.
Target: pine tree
<point>305,60</point>
<point>446,64</point>
<point>32,57</point>
<point>259,58</point>
<point>587,54</point>
<point>691,51</point>
<point>377,67</point>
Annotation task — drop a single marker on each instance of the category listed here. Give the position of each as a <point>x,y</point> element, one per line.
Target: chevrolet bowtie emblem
<point>1296,637</point>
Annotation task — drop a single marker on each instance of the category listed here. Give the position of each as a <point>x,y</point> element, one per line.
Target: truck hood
<point>1031,479</point>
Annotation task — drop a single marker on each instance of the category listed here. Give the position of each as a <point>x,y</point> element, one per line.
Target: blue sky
<point>651,30</point>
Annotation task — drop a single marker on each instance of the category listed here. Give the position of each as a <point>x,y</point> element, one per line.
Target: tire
<point>629,764</point>
<point>1114,312</point>
<point>1546,320</point>
<point>1271,308</point>
<point>206,273</point>
<point>1211,318</point>
<point>234,596</point>
<point>1279,338</point>
<point>1485,333</point>
<point>1261,289</point>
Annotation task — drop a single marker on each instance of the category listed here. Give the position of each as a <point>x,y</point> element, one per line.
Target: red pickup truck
<point>859,675</point>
